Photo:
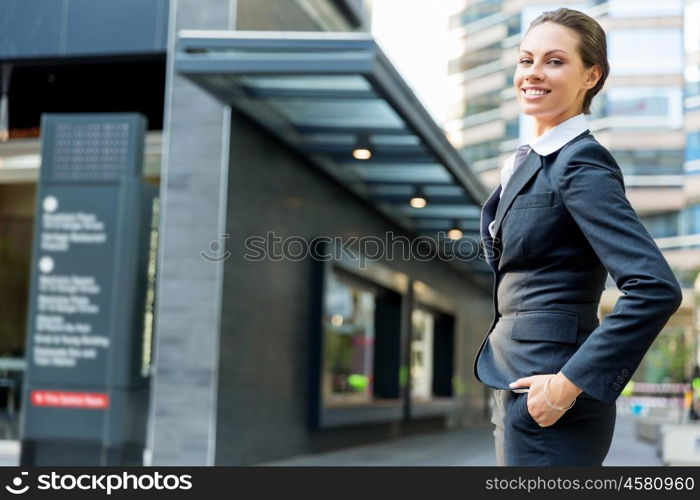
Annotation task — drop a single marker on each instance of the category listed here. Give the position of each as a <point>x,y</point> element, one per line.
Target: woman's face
<point>549,59</point>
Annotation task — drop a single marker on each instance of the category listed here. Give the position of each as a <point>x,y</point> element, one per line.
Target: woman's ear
<point>593,74</point>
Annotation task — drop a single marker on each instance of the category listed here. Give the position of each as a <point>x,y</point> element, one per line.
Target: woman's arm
<point>591,187</point>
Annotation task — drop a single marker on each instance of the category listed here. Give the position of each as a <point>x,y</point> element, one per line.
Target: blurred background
<point>340,118</point>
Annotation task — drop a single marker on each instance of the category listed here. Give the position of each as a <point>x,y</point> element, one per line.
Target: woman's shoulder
<point>586,151</point>
<point>583,145</point>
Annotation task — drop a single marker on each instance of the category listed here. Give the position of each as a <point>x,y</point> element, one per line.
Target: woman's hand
<point>560,392</point>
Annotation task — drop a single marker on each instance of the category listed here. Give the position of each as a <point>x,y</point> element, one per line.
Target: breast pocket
<point>533,200</point>
<point>532,225</point>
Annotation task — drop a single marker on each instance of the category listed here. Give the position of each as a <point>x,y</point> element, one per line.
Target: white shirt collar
<point>555,138</point>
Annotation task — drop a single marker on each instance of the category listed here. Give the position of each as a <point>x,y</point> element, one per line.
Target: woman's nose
<point>533,74</point>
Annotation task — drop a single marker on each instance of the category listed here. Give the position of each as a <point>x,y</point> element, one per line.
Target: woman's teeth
<point>536,92</point>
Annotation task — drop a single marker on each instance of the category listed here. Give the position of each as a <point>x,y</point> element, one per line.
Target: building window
<point>512,129</point>
<point>691,28</point>
<point>692,88</point>
<point>662,103</point>
<point>483,103</point>
<point>644,8</point>
<point>693,219</point>
<point>482,151</point>
<point>662,225</point>
<point>432,353</point>
<point>349,342</point>
<point>645,51</point>
<point>692,147</point>
<point>514,24</point>
<point>649,161</point>
<point>475,58</point>
<point>422,354</point>
<point>478,10</point>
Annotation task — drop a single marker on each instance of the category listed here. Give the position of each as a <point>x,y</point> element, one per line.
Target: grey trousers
<point>499,401</point>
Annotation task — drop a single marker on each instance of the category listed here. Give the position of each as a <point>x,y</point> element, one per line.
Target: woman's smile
<point>534,95</point>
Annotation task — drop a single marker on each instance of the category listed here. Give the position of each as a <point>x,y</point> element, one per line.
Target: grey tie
<point>520,155</point>
<point>506,174</point>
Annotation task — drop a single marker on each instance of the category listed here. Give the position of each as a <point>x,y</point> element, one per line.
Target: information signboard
<point>84,384</point>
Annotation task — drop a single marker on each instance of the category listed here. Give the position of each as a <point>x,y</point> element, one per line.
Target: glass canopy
<point>329,94</point>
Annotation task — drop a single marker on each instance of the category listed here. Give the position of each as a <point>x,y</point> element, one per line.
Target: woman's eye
<point>527,61</point>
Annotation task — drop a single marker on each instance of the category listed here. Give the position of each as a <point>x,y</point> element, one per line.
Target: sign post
<point>86,391</point>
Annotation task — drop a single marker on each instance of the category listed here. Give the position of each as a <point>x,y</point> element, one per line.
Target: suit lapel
<point>488,212</point>
<point>523,173</point>
<point>496,209</point>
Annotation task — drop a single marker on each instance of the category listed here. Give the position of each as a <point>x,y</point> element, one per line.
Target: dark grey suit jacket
<point>562,224</point>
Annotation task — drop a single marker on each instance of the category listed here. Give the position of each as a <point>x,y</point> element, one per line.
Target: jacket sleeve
<point>592,189</point>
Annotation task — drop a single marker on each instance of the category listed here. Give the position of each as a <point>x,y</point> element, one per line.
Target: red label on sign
<point>63,399</point>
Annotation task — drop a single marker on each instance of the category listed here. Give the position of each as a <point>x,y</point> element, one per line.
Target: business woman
<point>552,231</point>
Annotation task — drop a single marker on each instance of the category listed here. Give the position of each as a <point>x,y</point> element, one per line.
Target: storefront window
<point>422,354</point>
<point>349,343</point>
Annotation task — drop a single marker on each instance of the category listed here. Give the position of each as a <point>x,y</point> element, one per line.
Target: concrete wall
<point>265,315</point>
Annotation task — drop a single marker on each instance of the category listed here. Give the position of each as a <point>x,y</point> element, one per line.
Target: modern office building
<point>647,115</point>
<point>270,123</point>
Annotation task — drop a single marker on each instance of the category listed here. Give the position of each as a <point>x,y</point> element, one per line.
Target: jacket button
<point>616,386</point>
<point>620,378</point>
<point>625,372</point>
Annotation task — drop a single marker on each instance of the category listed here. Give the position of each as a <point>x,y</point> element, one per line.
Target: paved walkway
<point>464,447</point>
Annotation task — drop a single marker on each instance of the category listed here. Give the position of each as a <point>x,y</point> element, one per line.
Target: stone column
<point>194,179</point>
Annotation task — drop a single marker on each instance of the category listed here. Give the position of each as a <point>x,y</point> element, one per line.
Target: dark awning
<point>326,93</point>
